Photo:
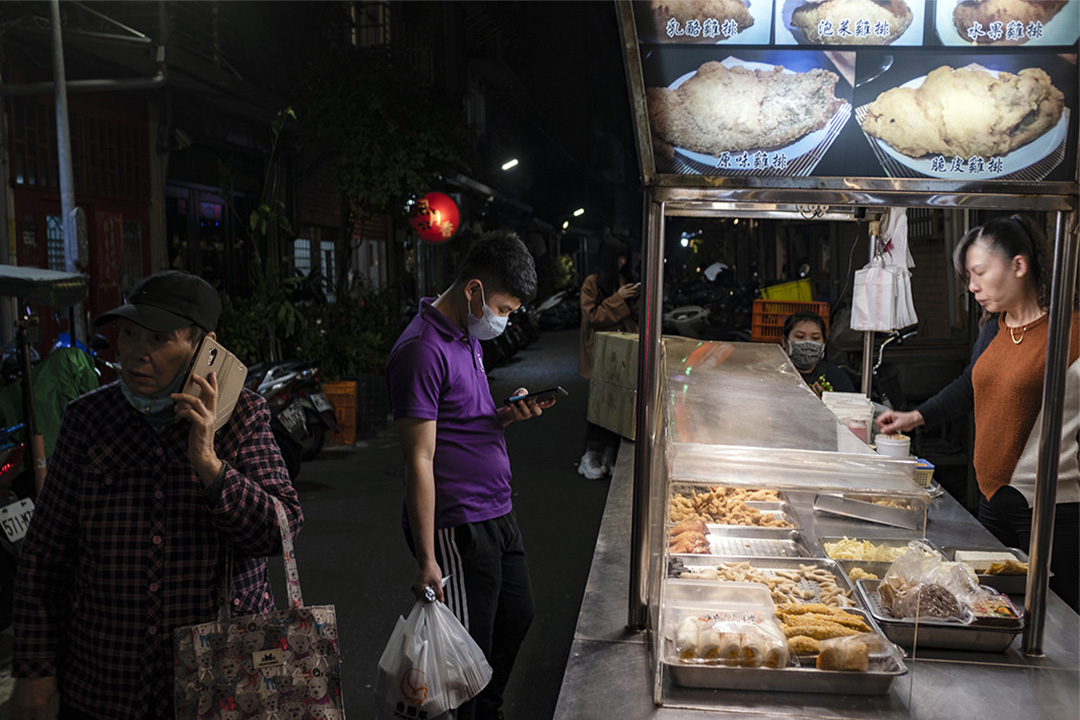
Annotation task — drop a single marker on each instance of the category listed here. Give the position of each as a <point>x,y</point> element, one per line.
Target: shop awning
<point>51,288</point>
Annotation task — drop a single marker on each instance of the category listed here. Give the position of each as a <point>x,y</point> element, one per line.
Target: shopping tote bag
<point>270,666</point>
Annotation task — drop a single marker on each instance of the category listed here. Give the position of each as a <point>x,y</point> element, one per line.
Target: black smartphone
<point>542,396</point>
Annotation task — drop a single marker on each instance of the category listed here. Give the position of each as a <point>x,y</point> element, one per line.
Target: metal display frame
<point>829,198</point>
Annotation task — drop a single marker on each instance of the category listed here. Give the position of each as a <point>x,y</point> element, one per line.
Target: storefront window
<point>54,236</point>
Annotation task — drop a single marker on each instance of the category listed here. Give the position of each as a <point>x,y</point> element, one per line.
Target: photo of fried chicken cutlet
<point>966,112</point>
<point>986,12</point>
<point>682,11</point>
<point>734,109</point>
<point>808,18</point>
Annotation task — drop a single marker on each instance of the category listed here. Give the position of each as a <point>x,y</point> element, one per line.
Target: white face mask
<point>488,327</point>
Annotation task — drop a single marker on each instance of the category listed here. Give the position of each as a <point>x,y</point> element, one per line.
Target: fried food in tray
<point>966,112</point>
<point>723,506</point>
<point>683,11</point>
<point>807,18</point>
<point>732,109</point>
<point>787,586</point>
<point>688,536</point>
<point>986,12</point>
<point>806,625</point>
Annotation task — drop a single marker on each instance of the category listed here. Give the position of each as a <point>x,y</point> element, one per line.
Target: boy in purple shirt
<point>459,519</point>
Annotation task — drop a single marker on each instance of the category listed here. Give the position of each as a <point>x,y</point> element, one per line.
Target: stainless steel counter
<point>609,673</point>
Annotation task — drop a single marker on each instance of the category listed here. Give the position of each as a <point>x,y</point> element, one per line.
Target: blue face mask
<point>154,405</point>
<point>488,327</point>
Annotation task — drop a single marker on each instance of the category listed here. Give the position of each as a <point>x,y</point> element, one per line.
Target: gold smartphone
<point>231,373</point>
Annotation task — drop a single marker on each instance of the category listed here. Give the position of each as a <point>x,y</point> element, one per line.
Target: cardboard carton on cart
<point>613,387</point>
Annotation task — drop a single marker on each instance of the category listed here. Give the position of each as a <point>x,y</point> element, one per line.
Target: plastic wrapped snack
<point>920,583</point>
<point>742,641</point>
<point>856,653</point>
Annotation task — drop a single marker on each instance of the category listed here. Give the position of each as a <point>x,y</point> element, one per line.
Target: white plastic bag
<point>882,300</point>
<point>430,665</point>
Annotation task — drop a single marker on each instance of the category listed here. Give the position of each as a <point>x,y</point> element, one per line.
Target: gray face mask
<point>805,354</point>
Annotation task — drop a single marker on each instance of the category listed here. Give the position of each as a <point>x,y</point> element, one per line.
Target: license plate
<point>320,402</point>
<point>292,417</point>
<point>15,519</point>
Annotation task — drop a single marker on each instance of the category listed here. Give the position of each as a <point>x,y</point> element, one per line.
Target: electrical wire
<point>847,275</point>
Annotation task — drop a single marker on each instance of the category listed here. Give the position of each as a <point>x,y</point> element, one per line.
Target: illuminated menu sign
<point>948,90</point>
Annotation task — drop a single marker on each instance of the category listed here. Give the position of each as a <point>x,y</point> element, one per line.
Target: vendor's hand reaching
<point>629,291</point>
<point>891,421</point>
<point>201,412</point>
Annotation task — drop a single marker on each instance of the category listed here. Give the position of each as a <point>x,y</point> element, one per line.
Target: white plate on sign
<point>1015,161</point>
<point>1063,28</point>
<point>796,149</point>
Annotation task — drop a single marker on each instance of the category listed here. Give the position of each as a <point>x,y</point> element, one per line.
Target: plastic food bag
<point>856,652</point>
<point>430,665</point>
<point>921,583</point>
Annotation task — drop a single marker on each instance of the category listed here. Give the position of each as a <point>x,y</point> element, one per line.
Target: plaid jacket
<point>125,546</point>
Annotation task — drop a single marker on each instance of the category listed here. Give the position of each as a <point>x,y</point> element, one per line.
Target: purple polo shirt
<point>436,372</point>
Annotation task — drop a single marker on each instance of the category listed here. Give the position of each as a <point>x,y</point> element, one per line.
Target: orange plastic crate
<point>342,395</point>
<point>767,322</point>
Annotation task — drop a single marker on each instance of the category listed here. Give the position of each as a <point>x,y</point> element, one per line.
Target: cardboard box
<point>611,406</point>
<point>615,358</point>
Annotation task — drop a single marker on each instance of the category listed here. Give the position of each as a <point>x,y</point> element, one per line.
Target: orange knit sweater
<point>1007,382</point>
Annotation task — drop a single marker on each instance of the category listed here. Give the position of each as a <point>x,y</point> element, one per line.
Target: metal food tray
<point>858,508</point>
<point>1008,584</point>
<point>728,543</point>
<point>878,567</point>
<point>684,596</point>
<point>766,564</point>
<point>936,633</point>
<point>782,509</point>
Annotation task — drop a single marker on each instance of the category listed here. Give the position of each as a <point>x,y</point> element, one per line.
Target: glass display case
<point>768,514</point>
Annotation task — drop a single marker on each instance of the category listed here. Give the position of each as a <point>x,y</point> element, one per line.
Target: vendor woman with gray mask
<point>804,340</point>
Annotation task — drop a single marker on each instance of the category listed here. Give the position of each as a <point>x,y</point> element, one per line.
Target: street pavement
<point>352,553</point>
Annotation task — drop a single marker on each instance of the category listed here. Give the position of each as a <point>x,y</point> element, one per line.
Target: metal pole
<point>868,336</point>
<point>7,308</point>
<point>1053,400</point>
<point>647,412</point>
<point>63,156</point>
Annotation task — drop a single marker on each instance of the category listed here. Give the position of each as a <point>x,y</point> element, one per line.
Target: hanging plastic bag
<point>873,304</point>
<point>430,665</point>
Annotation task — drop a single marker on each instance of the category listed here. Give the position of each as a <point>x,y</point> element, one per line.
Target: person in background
<point>1006,265</point>
<point>141,502</point>
<point>804,339</point>
<point>608,302</point>
<point>459,519</point>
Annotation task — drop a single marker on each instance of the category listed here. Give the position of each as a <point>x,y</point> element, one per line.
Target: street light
<point>509,164</point>
<point>565,224</point>
<point>579,212</point>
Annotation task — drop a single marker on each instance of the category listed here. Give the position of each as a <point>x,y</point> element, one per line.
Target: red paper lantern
<point>436,218</point>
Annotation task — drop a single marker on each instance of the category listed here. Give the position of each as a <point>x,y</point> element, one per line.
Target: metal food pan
<point>1008,584</point>
<point>936,633</point>
<point>687,597</point>
<point>890,542</point>
<point>783,510</point>
<point>863,508</point>
<point>694,563</point>
<point>729,544</point>
<point>806,679</point>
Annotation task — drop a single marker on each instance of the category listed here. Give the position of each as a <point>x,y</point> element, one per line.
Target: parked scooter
<point>15,516</point>
<point>300,412</point>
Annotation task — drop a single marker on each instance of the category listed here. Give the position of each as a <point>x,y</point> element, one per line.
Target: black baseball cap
<point>167,301</point>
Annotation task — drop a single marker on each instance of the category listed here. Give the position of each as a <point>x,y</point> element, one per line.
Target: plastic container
<point>924,473</point>
<point>893,445</point>
<point>799,291</point>
<point>854,411</point>
<point>767,321</point>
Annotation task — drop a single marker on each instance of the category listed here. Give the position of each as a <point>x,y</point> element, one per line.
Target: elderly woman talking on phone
<point>1006,265</point>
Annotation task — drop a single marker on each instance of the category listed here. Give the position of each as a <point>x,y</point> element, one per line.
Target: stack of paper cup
<point>893,445</point>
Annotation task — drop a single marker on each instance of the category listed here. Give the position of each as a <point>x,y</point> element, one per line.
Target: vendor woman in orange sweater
<point>1006,265</point>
